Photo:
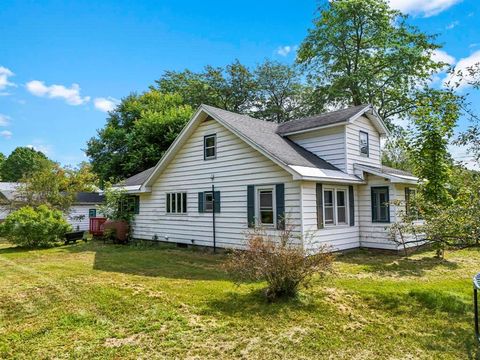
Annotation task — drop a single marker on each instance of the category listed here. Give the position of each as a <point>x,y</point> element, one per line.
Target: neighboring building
<point>322,173</point>
<point>84,207</point>
<point>7,196</point>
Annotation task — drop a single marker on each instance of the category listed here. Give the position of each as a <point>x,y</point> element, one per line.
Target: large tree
<point>362,51</point>
<point>138,131</point>
<point>435,116</point>
<point>231,87</point>
<point>22,162</point>
<point>271,91</point>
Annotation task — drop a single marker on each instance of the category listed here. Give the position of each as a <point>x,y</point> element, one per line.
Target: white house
<point>83,208</point>
<point>322,173</point>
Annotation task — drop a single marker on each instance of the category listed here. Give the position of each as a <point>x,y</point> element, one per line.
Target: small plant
<point>35,227</point>
<point>281,261</point>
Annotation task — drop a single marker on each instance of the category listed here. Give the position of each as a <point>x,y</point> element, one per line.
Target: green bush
<point>34,227</point>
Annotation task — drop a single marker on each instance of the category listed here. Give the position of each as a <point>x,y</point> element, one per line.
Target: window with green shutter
<point>380,204</point>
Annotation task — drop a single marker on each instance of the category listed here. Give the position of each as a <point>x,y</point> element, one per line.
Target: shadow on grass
<point>253,303</point>
<point>395,265</point>
<point>155,260</point>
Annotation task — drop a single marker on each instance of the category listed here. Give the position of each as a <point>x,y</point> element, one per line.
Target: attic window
<point>210,147</point>
<point>363,140</point>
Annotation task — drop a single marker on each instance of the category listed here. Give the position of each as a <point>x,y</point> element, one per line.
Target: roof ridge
<point>327,113</point>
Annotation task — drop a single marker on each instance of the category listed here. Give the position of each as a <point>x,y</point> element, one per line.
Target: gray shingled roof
<point>89,197</point>
<point>316,121</point>
<point>264,134</point>
<point>138,179</point>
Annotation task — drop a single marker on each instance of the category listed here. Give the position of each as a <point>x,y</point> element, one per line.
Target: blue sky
<point>64,63</point>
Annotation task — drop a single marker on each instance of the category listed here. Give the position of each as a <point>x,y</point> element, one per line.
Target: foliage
<point>280,94</point>
<point>55,186</point>
<point>230,88</point>
<point>362,51</point>
<point>471,136</point>
<point>34,227</point>
<point>434,118</point>
<point>22,162</point>
<point>138,131</point>
<point>112,207</point>
<point>446,224</point>
<point>2,159</point>
<point>270,91</point>
<point>395,152</point>
<point>282,262</point>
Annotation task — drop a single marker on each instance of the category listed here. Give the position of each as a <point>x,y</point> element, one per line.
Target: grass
<point>98,301</point>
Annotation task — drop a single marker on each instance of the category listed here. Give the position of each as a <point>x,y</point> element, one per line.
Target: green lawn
<point>106,301</point>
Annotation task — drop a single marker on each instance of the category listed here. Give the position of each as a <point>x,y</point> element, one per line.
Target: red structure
<point>96,226</point>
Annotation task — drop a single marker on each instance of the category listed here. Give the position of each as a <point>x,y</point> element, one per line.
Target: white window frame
<point>173,195</point>
<point>360,143</point>
<point>205,202</point>
<point>214,147</point>
<point>257,205</point>
<point>334,189</point>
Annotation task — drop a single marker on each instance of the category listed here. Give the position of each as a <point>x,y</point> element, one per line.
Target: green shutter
<point>136,208</point>
<point>351,205</point>
<point>200,202</point>
<point>407,200</point>
<point>319,206</point>
<point>374,204</point>
<point>251,206</point>
<point>280,203</point>
<point>217,201</point>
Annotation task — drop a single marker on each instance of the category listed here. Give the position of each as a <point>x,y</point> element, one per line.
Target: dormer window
<point>363,140</point>
<point>210,147</point>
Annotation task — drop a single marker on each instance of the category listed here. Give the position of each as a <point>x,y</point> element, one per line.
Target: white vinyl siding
<point>77,211</point>
<point>340,237</point>
<point>236,166</point>
<point>353,144</point>
<point>329,144</point>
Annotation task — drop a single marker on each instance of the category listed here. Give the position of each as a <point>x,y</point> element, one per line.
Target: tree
<point>55,186</point>
<point>362,51</point>
<point>231,88</point>
<point>138,131</point>
<point>2,159</point>
<point>434,118</point>
<point>395,152</point>
<point>21,162</point>
<point>271,91</point>
<point>280,94</point>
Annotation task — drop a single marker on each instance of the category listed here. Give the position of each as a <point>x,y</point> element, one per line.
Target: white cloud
<point>452,25</point>
<point>4,82</point>
<point>6,134</point>
<point>463,65</point>
<point>4,120</point>
<point>39,145</point>
<point>443,56</point>
<point>425,8</point>
<point>105,104</point>
<point>284,50</point>
<point>71,95</point>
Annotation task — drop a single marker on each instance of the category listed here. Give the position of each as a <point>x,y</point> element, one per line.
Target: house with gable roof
<point>227,172</point>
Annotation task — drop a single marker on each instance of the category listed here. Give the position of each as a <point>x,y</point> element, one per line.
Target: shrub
<point>34,227</point>
<point>280,261</point>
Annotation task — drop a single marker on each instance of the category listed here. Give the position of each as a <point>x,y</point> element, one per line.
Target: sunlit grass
<point>105,301</point>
